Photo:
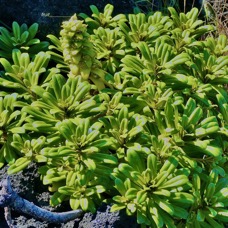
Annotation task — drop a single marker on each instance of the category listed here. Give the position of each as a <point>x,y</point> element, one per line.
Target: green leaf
<point>74,203</point>
<point>57,198</point>
<point>19,165</point>
<point>200,215</point>
<point>117,207</point>
<point>84,204</point>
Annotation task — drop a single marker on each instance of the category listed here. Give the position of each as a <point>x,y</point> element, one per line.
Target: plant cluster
<point>130,110</point>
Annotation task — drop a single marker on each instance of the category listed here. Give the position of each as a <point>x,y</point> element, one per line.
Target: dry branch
<point>10,199</point>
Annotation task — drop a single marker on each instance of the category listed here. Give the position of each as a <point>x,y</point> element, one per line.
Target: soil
<point>29,186</point>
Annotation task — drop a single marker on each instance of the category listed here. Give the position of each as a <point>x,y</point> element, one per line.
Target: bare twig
<point>8,217</point>
<point>10,199</point>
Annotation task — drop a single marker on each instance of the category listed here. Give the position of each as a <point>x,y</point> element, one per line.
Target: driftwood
<point>9,199</point>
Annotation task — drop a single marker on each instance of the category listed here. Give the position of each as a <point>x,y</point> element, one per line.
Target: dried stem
<point>10,199</point>
<point>8,217</point>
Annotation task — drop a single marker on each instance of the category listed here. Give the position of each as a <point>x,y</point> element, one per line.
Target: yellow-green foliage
<point>132,109</point>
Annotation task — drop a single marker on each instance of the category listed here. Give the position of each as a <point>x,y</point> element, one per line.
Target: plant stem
<point>10,199</point>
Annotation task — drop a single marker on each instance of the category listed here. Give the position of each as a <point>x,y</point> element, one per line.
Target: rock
<point>106,219</point>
